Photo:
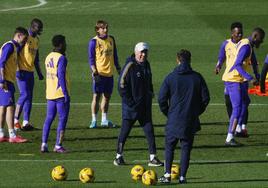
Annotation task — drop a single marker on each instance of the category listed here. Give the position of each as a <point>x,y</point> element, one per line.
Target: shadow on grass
<point>231,181</point>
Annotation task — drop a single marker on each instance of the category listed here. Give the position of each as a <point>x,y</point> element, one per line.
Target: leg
<point>63,111</point>
<point>228,105</point>
<point>22,85</point>
<point>51,113</point>
<point>186,147</point>
<point>94,109</point>
<point>149,133</point>
<point>28,103</point>
<point>170,145</point>
<point>124,132</point>
<point>2,116</point>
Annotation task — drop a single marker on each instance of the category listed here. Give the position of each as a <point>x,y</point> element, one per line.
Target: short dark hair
<point>38,21</point>
<point>21,30</point>
<point>259,30</point>
<point>184,55</point>
<point>57,40</point>
<point>236,25</point>
<point>100,24</point>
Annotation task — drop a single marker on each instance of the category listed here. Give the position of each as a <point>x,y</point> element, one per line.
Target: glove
<point>96,78</point>
<point>40,76</point>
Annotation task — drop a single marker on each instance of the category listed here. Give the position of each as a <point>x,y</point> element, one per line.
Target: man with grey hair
<point>136,89</point>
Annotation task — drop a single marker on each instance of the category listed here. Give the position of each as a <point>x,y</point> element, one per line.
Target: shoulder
<point>8,46</point>
<point>112,37</point>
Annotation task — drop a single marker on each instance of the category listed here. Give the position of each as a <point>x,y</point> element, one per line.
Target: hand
<point>119,70</point>
<point>40,76</point>
<point>3,86</point>
<point>96,77</point>
<point>217,70</point>
<point>254,82</point>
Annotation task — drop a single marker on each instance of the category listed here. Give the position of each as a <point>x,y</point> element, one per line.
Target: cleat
<point>233,143</point>
<point>17,126</point>
<point>242,134</point>
<point>108,123</point>
<point>3,139</point>
<point>59,150</point>
<point>182,181</point>
<point>119,161</point>
<point>27,127</point>
<point>155,162</point>
<point>17,139</point>
<point>164,179</point>
<point>93,124</point>
<point>44,149</point>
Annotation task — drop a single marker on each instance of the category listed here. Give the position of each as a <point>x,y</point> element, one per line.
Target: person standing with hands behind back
<point>183,97</point>
<point>102,55</point>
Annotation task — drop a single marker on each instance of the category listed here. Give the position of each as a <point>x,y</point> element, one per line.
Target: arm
<point>116,63</point>
<point>164,97</point>
<point>62,64</point>
<point>37,66</point>
<point>243,53</point>
<point>92,56</point>
<point>221,57</point>
<point>254,64</point>
<point>151,87</point>
<point>263,74</point>
<point>7,50</point>
<point>124,85</point>
<point>205,98</point>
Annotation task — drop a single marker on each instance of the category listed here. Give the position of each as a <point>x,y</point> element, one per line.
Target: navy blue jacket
<point>182,98</point>
<point>136,89</point>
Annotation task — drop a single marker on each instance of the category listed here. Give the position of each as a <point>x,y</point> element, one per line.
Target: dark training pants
<point>186,147</point>
<point>126,128</point>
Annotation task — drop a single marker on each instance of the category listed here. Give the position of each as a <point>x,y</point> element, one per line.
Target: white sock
<point>57,146</point>
<point>182,178</point>
<point>94,117</point>
<point>44,144</point>
<point>118,155</point>
<point>104,117</point>
<point>230,136</point>
<point>12,133</point>
<point>16,121</point>
<point>167,175</point>
<point>2,134</point>
<point>25,122</point>
<point>238,128</point>
<point>152,156</point>
<point>243,126</point>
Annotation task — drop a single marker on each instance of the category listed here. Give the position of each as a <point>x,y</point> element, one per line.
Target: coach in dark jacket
<point>136,89</point>
<point>183,97</point>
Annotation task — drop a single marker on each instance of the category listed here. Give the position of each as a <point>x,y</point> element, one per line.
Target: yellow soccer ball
<point>149,177</point>
<point>136,172</point>
<point>59,173</point>
<point>175,170</point>
<point>86,175</point>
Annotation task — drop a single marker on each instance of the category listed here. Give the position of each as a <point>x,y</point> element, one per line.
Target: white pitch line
<point>108,161</point>
<point>154,104</point>
<point>41,3</point>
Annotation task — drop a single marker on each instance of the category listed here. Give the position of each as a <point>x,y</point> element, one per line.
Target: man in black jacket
<point>183,97</point>
<point>136,89</point>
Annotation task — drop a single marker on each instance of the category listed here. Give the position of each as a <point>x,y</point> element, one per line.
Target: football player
<point>8,66</point>
<point>28,59</point>
<point>102,54</point>
<point>57,93</point>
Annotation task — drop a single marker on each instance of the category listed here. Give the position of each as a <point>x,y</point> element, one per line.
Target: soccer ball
<point>86,175</point>
<point>175,170</point>
<point>149,177</point>
<point>136,172</point>
<point>59,173</point>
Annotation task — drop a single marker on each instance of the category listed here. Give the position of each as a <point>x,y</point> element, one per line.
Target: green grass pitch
<point>168,26</point>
